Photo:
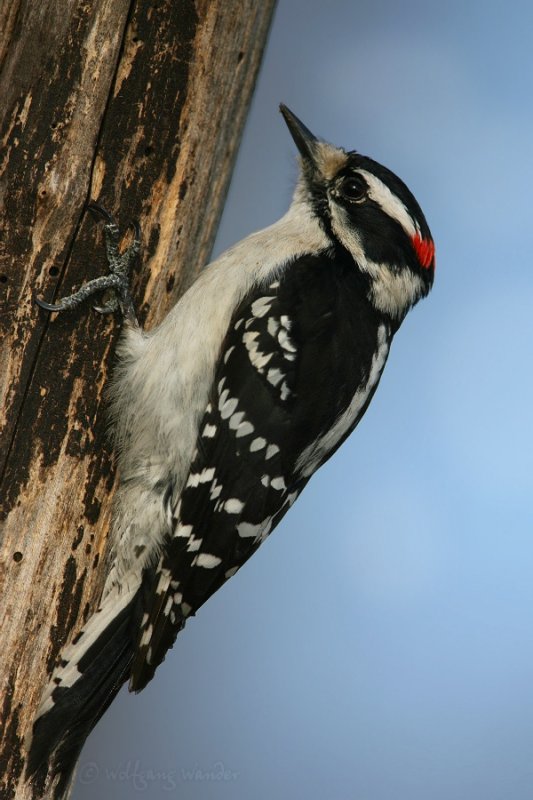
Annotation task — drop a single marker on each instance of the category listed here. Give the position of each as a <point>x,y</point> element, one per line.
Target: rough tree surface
<point>140,106</point>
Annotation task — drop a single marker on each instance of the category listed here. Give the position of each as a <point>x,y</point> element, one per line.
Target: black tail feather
<point>60,732</point>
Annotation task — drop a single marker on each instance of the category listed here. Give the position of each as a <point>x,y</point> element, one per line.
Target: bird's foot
<point>118,279</point>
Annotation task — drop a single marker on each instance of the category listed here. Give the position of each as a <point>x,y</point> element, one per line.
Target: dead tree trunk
<point>139,105</point>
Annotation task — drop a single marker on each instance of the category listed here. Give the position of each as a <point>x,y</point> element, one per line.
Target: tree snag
<point>140,106</point>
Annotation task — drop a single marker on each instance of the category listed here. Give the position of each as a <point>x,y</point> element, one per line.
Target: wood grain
<point>139,105</point>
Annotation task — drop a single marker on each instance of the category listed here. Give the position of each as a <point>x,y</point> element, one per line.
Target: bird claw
<point>45,305</point>
<point>99,211</point>
<point>107,308</point>
<point>118,277</point>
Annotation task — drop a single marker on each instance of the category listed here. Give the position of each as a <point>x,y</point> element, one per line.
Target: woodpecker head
<point>370,212</point>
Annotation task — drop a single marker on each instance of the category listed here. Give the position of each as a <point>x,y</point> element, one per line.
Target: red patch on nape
<point>425,250</point>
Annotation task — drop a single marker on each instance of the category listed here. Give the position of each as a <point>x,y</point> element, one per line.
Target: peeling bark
<point>140,106</point>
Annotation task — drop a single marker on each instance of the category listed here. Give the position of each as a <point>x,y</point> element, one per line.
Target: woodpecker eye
<point>354,188</point>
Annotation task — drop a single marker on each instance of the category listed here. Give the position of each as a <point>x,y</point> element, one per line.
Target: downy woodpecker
<point>223,413</point>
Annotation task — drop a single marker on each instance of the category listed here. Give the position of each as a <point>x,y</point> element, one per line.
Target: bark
<point>139,105</point>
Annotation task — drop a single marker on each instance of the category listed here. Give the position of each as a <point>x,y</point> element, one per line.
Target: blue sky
<point>379,646</point>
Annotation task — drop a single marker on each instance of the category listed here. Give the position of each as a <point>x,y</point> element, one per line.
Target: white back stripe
<point>313,454</point>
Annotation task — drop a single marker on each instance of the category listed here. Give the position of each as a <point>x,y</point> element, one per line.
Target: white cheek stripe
<point>390,203</point>
<point>393,293</point>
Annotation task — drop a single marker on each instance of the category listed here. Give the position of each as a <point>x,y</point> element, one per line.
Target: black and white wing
<point>267,427</point>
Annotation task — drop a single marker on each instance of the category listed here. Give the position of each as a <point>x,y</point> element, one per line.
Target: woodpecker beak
<point>304,140</point>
